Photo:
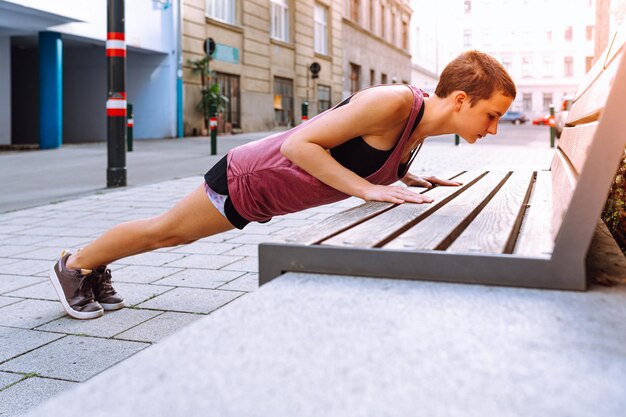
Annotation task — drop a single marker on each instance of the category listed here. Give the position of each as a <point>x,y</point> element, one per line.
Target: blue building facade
<point>53,70</point>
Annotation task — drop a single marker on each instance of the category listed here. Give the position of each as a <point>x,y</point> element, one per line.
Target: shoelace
<point>106,281</point>
<point>85,288</point>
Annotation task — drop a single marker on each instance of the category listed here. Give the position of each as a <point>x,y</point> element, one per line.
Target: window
<point>321,29</point>
<point>229,87</point>
<point>323,98</point>
<point>568,33</point>
<point>526,67</point>
<point>568,66</point>
<point>589,33</point>
<point>223,10</point>
<point>588,63</point>
<point>486,37</point>
<point>283,101</point>
<point>280,20</point>
<point>354,9</point>
<point>405,36</point>
<point>372,77</point>
<point>383,78</point>
<point>506,63</point>
<point>468,6</point>
<point>371,16</point>
<point>467,37</point>
<point>548,67</point>
<point>527,100</point>
<point>355,78</point>
<point>383,19</point>
<point>547,101</point>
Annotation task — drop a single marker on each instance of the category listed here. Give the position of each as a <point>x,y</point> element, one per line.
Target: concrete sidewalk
<point>31,178</point>
<point>43,352</point>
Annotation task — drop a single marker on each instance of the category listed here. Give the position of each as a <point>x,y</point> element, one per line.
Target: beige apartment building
<point>267,52</point>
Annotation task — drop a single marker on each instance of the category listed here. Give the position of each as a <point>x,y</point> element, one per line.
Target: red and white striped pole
<point>116,95</point>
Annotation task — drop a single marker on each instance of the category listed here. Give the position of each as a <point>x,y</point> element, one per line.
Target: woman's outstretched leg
<point>193,218</point>
<point>76,277</point>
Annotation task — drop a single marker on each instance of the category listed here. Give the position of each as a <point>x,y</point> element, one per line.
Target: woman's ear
<point>460,97</point>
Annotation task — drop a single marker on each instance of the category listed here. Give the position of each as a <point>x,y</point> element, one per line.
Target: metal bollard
<point>457,140</point>
<point>130,122</point>
<point>551,121</point>
<point>305,111</point>
<point>213,127</point>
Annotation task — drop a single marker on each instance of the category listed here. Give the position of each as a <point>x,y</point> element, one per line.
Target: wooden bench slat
<point>439,229</point>
<point>379,229</point>
<point>564,179</point>
<point>495,228</point>
<point>337,223</point>
<point>575,143</point>
<point>344,220</point>
<point>588,106</point>
<point>533,239</point>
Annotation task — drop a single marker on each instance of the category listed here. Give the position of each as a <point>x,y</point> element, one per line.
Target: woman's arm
<point>379,113</point>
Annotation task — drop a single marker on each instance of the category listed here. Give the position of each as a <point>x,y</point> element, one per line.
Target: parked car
<point>562,114</point>
<point>542,120</point>
<point>515,117</point>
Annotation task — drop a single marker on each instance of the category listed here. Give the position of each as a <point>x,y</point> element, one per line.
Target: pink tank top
<point>262,183</point>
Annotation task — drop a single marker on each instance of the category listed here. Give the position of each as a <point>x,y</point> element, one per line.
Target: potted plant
<point>212,100</point>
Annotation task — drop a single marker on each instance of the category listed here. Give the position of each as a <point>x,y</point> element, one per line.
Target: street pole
<point>552,128</point>
<point>116,94</point>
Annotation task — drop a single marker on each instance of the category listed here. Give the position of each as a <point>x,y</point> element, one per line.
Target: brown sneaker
<point>104,293</point>
<point>75,290</point>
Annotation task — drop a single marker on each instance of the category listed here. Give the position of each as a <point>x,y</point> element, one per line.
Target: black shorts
<point>216,179</point>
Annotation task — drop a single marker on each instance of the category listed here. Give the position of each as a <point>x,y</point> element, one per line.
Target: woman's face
<point>476,121</point>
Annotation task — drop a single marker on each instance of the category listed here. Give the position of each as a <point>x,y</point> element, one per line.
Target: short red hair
<point>478,74</point>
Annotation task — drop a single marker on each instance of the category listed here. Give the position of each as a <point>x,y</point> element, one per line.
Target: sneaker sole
<point>113,307</point>
<point>80,315</point>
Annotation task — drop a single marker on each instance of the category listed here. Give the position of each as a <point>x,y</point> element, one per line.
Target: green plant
<point>212,100</point>
<point>614,213</point>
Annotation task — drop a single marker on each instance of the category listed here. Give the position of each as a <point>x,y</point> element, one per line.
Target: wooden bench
<point>530,229</point>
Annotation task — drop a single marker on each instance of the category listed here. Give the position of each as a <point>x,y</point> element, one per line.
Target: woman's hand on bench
<point>394,194</point>
<point>428,182</point>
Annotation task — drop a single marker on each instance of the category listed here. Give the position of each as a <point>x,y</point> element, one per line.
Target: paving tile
<point>159,327</point>
<point>248,264</point>
<point>190,300</point>
<point>150,259</point>
<point>248,282</point>
<point>64,231</point>
<point>10,229</point>
<point>199,278</point>
<point>251,239</point>
<point>14,342</point>
<point>29,393</point>
<point>112,323</point>
<point>140,274</point>
<point>5,301</point>
<point>74,358</point>
<point>30,313</point>
<point>24,240</point>
<point>11,250</point>
<point>203,261</point>
<point>49,254</point>
<point>27,267</point>
<point>8,379</point>
<point>137,293</point>
<point>61,242</point>
<point>42,291</point>
<point>10,283</point>
<point>7,261</point>
<point>204,248</point>
<point>244,250</point>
